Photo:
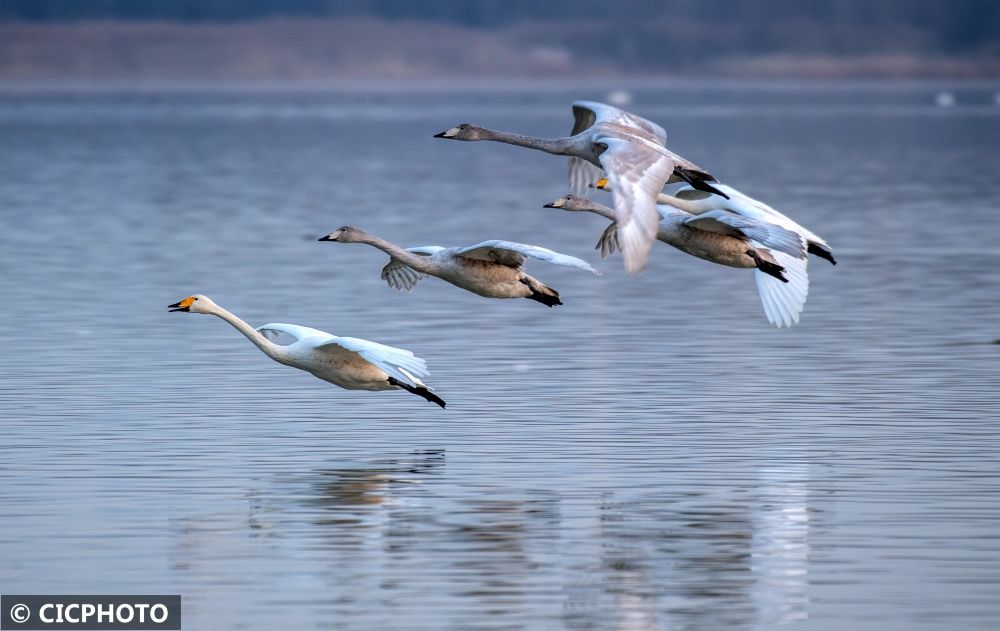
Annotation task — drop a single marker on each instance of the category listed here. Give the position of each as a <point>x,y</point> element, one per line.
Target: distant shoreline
<point>299,51</point>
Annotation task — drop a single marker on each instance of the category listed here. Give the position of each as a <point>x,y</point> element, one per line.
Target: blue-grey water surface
<point>651,455</point>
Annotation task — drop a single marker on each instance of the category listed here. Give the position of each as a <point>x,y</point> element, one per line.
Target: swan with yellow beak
<point>348,362</point>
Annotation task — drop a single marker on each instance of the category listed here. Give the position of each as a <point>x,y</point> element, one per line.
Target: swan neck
<point>419,263</point>
<point>688,205</point>
<point>270,349</point>
<point>557,146</point>
<point>601,210</point>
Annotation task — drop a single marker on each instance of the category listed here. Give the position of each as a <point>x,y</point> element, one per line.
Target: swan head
<point>194,304</point>
<point>344,234</point>
<point>465,131</point>
<point>571,202</point>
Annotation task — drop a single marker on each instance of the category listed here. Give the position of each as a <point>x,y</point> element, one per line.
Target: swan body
<point>629,149</point>
<point>348,362</point>
<point>493,269</point>
<point>777,255</point>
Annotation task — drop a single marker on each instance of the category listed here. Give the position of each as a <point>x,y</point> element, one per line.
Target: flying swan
<point>348,362</point>
<point>777,255</point>
<point>699,202</point>
<point>494,269</point>
<point>629,149</point>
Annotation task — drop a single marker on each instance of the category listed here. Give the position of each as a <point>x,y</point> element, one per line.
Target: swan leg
<point>420,391</point>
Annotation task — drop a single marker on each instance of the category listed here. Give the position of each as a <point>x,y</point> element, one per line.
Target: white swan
<point>351,363</point>
<point>629,149</point>
<point>777,255</point>
<point>700,202</point>
<point>492,268</point>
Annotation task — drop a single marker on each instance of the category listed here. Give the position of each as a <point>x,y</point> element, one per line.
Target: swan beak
<point>451,133</point>
<point>550,205</point>
<point>183,305</point>
<point>601,183</point>
<point>327,238</point>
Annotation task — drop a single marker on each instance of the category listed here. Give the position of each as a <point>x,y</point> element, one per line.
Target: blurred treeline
<point>880,37</point>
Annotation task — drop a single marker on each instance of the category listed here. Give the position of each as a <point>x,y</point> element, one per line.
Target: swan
<point>629,149</point>
<point>493,269</point>
<point>699,202</point>
<point>348,362</point>
<point>777,255</point>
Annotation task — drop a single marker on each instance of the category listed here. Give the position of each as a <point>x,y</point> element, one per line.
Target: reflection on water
<point>649,456</point>
<point>779,549</point>
<point>692,560</point>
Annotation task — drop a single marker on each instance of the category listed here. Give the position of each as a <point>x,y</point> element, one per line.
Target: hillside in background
<point>320,39</point>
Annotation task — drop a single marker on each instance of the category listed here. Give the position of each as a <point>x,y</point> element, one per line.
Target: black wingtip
<point>821,252</point>
<point>699,180</point>
<point>702,185</point>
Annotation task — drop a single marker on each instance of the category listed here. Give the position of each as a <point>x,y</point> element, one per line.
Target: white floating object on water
<point>945,99</point>
<point>619,98</point>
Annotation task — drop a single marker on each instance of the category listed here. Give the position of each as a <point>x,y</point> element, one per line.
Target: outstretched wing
<point>608,241</point>
<point>767,234</point>
<point>395,362</point>
<point>513,254</point>
<point>402,277</point>
<point>637,172</point>
<point>783,302</point>
<point>583,174</point>
<point>747,206</point>
<point>275,330</point>
<point>588,113</point>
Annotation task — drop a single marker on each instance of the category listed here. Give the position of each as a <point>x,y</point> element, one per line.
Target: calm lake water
<point>652,455</point>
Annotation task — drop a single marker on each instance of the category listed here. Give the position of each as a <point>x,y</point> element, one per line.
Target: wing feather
<point>582,176</point>
<point>401,276</point>
<point>396,362</point>
<point>588,113</point>
<point>767,234</point>
<point>507,252</point>
<point>637,173</point>
<point>783,302</point>
<point>274,330</point>
<point>747,206</point>
<point>608,242</point>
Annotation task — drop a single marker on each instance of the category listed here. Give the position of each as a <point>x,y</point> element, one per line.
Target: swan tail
<point>541,293</point>
<point>419,390</point>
